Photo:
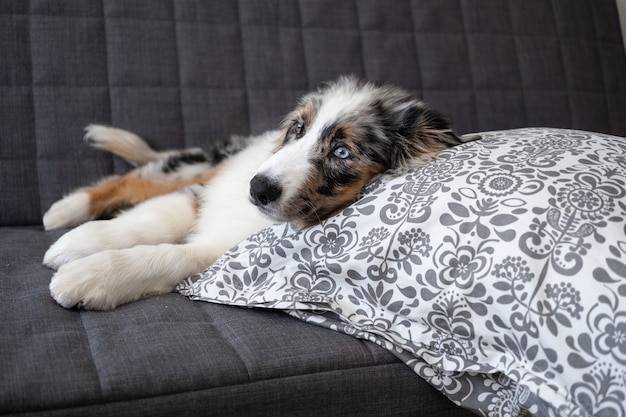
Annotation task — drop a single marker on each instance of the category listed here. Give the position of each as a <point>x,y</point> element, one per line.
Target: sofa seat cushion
<point>170,356</point>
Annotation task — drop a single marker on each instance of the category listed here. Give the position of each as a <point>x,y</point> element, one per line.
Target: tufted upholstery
<point>189,72</point>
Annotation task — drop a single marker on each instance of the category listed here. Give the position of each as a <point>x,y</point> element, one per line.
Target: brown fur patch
<point>106,199</point>
<point>311,206</point>
<point>326,206</point>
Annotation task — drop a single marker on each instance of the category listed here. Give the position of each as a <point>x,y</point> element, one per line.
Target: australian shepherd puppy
<point>180,210</point>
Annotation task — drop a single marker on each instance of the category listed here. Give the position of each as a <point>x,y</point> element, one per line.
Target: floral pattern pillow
<point>497,272</point>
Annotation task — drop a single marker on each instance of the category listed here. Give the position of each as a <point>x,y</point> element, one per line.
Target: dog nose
<point>264,190</point>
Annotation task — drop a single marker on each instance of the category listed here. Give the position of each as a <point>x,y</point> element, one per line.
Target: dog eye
<point>298,129</point>
<point>342,152</point>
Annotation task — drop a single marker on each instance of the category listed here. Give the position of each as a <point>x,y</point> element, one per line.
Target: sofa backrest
<point>191,72</point>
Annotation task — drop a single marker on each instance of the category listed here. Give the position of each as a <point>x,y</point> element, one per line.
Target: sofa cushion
<point>168,356</point>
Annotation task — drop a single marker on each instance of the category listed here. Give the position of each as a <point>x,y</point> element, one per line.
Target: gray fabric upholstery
<point>168,356</point>
<point>185,72</point>
<point>189,73</point>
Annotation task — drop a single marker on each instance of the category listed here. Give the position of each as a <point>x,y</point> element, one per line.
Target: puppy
<point>183,209</point>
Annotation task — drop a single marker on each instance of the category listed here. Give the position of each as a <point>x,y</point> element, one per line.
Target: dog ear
<point>421,134</point>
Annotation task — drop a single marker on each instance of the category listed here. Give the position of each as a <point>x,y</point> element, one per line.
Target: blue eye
<point>342,152</point>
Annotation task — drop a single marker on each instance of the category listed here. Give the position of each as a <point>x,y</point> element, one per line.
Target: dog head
<point>336,140</point>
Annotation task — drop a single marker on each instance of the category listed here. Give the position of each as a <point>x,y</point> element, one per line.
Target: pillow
<point>497,272</point>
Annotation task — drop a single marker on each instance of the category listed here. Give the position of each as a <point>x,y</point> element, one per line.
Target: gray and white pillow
<point>497,273</point>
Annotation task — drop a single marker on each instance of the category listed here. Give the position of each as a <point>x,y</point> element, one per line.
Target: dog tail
<point>122,143</point>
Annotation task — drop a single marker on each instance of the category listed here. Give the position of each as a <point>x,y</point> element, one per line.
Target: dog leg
<point>73,209</point>
<point>108,279</point>
<point>113,194</point>
<point>164,219</point>
<point>159,173</point>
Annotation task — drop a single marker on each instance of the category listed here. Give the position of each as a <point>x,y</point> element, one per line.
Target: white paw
<point>107,279</point>
<point>68,212</point>
<point>83,241</point>
<point>87,283</point>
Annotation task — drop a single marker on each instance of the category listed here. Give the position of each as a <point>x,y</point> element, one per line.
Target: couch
<point>185,73</point>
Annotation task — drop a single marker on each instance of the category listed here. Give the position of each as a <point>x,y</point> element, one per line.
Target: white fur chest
<point>227,224</point>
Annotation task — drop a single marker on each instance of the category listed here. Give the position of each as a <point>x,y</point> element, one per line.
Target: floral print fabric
<point>497,272</point>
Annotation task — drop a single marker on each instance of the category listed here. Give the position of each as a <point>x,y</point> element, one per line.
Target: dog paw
<point>87,283</point>
<point>78,243</point>
<point>68,212</point>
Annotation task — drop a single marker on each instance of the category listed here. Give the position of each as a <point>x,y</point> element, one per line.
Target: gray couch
<point>189,73</point>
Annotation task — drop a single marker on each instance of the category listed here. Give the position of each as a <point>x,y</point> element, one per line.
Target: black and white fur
<point>335,141</point>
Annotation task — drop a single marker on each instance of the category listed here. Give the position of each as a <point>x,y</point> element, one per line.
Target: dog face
<point>336,140</point>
